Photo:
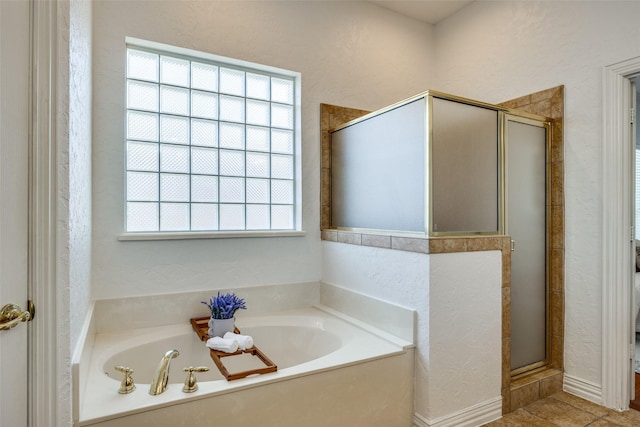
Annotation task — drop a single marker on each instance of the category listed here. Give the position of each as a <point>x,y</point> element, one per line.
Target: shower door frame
<point>528,119</point>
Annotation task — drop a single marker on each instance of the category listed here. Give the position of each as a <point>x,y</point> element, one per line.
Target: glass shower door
<point>526,186</point>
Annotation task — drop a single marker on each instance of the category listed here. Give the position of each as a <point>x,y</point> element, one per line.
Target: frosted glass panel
<point>282,192</point>
<point>174,100</point>
<point>174,71</point>
<point>257,138</point>
<point>204,188</point>
<point>204,76</point>
<point>174,216</point>
<point>142,96</point>
<point>258,165</point>
<point>281,166</point>
<point>464,168</point>
<point>257,190</point>
<point>232,190</point>
<point>232,163</point>
<point>258,217</point>
<point>282,90</point>
<point>258,86</point>
<point>204,217</point>
<point>204,160</point>
<point>174,188</point>
<point>174,158</point>
<point>231,217</point>
<point>142,126</point>
<point>282,141</point>
<point>142,65</point>
<point>282,116</point>
<point>142,186</point>
<point>204,105</point>
<point>142,156</point>
<point>378,171</point>
<point>142,216</point>
<point>174,129</point>
<point>231,136</point>
<point>281,217</point>
<point>204,132</point>
<point>258,113</point>
<point>231,108</point>
<point>526,224</point>
<point>232,81</point>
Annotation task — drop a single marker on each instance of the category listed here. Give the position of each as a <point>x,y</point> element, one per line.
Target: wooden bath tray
<point>201,326</point>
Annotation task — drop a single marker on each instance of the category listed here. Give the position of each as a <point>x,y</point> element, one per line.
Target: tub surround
<point>117,314</point>
<point>389,365</point>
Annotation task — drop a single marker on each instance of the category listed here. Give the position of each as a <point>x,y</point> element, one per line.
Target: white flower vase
<point>219,327</point>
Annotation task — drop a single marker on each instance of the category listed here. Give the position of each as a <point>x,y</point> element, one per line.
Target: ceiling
<point>429,11</point>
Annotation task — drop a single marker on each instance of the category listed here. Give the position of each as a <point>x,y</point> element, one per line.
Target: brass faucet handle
<point>198,369</point>
<point>190,383</point>
<point>127,385</point>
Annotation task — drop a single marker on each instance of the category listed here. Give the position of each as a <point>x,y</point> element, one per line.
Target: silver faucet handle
<point>127,385</point>
<point>190,383</point>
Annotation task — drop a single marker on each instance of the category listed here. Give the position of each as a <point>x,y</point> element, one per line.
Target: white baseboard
<point>472,416</point>
<point>582,388</point>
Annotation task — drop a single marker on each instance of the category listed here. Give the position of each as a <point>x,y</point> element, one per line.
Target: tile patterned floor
<point>566,410</point>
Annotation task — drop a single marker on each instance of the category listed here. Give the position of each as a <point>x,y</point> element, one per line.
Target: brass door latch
<point>12,314</point>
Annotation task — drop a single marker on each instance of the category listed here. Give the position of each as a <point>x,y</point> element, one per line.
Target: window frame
<point>230,63</point>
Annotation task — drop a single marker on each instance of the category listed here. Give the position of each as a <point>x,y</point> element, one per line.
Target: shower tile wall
<point>525,389</point>
<point>550,103</point>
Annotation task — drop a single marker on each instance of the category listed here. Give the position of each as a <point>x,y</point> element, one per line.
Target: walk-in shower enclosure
<point>428,165</point>
<point>441,165</point>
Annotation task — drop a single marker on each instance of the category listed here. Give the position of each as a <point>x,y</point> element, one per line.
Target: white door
<point>14,119</point>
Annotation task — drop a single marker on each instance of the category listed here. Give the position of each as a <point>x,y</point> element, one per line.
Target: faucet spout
<point>161,377</point>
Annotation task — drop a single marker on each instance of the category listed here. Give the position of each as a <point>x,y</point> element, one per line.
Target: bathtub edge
<point>387,336</point>
<point>80,361</point>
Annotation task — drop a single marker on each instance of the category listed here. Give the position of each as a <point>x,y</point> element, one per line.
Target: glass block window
<point>210,146</point>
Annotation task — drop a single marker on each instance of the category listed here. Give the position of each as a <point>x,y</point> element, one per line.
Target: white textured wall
<point>79,165</point>
<point>73,137</point>
<point>395,276</point>
<point>458,302</point>
<point>353,54</point>
<point>464,367</point>
<point>63,218</point>
<point>495,51</point>
<point>74,186</point>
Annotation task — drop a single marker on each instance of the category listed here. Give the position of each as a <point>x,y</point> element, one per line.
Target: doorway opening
<point>635,292</point>
<point>618,327</point>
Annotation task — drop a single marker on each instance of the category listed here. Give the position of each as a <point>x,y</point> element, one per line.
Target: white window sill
<point>209,235</point>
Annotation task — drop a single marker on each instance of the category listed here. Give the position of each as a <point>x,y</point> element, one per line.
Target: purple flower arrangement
<point>225,306</point>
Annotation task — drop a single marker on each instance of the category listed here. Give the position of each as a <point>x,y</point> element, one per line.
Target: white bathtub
<point>332,370</point>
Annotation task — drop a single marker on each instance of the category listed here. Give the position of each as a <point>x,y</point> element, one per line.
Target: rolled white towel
<point>223,344</point>
<point>245,342</point>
